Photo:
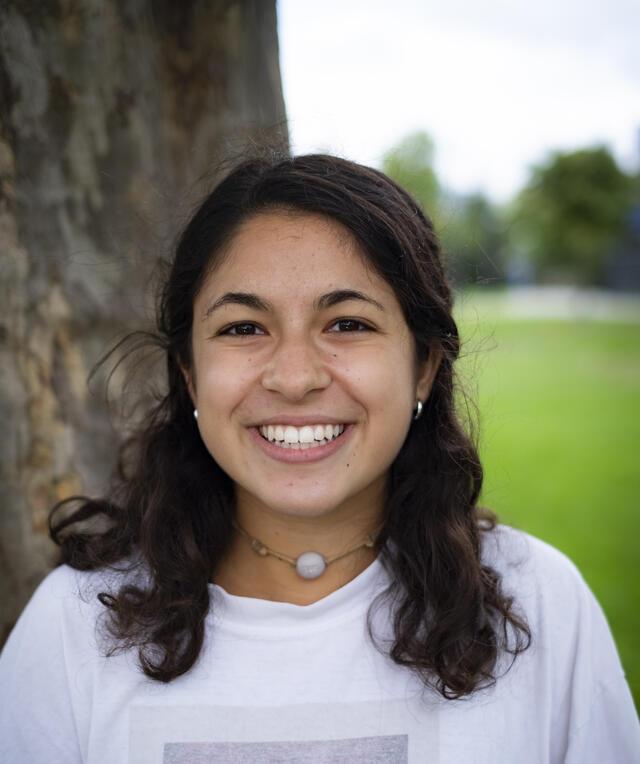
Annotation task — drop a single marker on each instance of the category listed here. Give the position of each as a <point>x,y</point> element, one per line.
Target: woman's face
<point>277,340</point>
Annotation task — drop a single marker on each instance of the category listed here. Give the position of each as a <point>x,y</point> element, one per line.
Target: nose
<point>295,368</point>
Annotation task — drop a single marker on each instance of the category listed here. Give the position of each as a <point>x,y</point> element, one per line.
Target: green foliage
<point>410,163</point>
<point>571,214</point>
<point>470,227</point>
<point>566,225</point>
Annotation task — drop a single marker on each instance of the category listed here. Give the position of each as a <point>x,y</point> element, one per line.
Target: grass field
<point>559,409</point>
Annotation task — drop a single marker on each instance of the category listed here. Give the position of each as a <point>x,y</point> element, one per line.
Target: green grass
<point>559,409</point>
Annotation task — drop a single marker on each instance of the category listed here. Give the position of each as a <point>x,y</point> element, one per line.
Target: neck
<point>245,573</point>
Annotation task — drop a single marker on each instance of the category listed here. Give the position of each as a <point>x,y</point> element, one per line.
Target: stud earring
<point>195,413</point>
<point>417,410</point>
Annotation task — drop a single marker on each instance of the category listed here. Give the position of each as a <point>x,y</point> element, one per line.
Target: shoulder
<point>65,583</point>
<point>568,626</point>
<point>573,653</point>
<point>510,547</point>
<point>530,566</point>
<point>546,587</point>
<point>51,665</point>
<point>60,588</point>
<point>62,583</point>
<point>66,601</point>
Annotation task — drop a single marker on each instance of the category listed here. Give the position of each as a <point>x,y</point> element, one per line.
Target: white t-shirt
<point>278,682</point>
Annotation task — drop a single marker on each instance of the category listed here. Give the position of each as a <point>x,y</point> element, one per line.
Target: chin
<point>301,507</point>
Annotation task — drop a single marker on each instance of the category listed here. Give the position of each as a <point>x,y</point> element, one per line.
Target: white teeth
<point>306,435</point>
<point>309,436</point>
<point>291,435</point>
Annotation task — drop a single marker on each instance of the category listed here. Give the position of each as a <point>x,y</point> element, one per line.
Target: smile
<point>302,438</point>
<point>301,452</point>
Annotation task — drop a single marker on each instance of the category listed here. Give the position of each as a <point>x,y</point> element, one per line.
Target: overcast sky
<point>497,83</point>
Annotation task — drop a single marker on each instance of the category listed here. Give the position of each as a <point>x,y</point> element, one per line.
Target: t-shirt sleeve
<point>36,714</point>
<point>593,716</point>
<point>606,728</point>
<point>611,732</point>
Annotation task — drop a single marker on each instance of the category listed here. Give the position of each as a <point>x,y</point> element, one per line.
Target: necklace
<point>308,565</point>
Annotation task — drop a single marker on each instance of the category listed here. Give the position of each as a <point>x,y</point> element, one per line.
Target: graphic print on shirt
<point>378,732</point>
<point>384,749</point>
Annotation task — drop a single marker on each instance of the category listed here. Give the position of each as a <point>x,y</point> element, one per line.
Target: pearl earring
<point>195,413</point>
<point>417,410</point>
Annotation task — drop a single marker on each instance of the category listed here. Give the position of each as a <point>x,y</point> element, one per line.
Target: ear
<point>427,372</point>
<point>190,383</point>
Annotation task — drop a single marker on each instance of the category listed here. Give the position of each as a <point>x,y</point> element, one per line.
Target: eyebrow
<point>328,300</point>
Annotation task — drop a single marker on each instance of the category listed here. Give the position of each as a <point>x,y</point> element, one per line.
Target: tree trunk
<point>112,115</point>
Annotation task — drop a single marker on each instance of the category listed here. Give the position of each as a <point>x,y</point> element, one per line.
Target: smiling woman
<point>327,343</point>
<point>298,564</point>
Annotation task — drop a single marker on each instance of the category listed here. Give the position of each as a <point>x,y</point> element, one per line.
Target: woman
<point>296,569</point>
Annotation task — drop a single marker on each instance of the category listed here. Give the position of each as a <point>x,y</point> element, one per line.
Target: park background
<point>517,127</point>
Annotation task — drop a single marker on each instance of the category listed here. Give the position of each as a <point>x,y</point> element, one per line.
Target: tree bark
<point>112,117</point>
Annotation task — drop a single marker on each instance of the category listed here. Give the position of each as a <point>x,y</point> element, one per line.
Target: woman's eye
<point>346,325</point>
<point>351,325</point>
<point>240,330</point>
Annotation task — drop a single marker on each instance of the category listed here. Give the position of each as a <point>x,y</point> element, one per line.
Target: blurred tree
<point>410,163</point>
<point>111,115</point>
<point>473,237</point>
<point>470,227</point>
<point>571,214</point>
<point>623,272</point>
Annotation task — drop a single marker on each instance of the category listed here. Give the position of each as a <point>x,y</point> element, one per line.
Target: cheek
<point>222,384</point>
<point>222,387</point>
<point>383,377</point>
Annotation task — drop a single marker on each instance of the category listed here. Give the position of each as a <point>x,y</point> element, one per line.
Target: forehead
<point>278,252</point>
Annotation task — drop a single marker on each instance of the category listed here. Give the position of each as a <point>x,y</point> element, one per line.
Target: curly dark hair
<point>173,513</point>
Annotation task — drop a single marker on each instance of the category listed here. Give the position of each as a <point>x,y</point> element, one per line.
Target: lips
<point>299,455</point>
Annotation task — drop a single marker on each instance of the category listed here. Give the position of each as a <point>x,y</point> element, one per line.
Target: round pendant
<point>310,565</point>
